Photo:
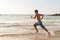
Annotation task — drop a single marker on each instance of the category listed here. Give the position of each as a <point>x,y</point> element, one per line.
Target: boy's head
<point>36,11</point>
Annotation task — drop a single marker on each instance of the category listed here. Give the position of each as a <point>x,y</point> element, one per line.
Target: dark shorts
<point>39,24</point>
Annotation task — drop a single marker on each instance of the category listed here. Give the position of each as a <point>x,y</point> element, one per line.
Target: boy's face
<point>36,12</point>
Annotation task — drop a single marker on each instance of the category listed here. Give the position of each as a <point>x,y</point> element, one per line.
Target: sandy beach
<point>37,36</point>
<point>18,34</point>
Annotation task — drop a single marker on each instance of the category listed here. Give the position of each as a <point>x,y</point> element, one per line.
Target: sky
<point>28,6</point>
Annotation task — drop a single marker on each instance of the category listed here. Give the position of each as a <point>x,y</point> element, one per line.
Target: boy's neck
<point>37,14</point>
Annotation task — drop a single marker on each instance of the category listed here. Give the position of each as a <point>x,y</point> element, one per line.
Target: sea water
<point>10,23</point>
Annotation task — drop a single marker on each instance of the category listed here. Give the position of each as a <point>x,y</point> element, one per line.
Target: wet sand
<point>25,34</point>
<point>31,36</point>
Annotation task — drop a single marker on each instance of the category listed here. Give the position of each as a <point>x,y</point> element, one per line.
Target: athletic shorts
<point>39,24</point>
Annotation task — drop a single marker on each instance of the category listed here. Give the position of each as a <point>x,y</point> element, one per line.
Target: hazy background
<point>28,6</point>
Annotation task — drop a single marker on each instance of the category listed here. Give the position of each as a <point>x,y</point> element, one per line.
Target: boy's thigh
<point>42,26</point>
<point>36,24</point>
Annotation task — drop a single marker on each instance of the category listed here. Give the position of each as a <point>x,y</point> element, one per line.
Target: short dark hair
<point>36,10</point>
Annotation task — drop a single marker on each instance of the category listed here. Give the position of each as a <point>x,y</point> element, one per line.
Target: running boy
<point>37,16</point>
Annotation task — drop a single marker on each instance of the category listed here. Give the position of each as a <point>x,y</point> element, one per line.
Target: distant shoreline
<point>28,14</point>
<point>55,15</point>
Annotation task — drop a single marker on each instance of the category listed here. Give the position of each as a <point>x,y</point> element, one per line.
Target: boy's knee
<point>36,24</point>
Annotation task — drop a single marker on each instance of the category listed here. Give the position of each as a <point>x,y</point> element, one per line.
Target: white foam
<point>52,33</point>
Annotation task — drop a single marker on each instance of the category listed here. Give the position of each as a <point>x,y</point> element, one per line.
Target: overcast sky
<point>28,6</point>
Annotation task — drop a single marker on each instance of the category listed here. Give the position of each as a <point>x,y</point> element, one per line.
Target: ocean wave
<point>23,25</point>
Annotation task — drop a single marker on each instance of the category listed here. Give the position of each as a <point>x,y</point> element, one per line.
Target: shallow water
<point>24,22</point>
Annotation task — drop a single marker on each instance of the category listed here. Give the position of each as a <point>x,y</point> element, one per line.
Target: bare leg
<point>47,32</point>
<point>45,29</point>
<point>36,29</point>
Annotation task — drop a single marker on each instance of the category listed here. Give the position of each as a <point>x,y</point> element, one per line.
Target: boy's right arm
<point>33,17</point>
